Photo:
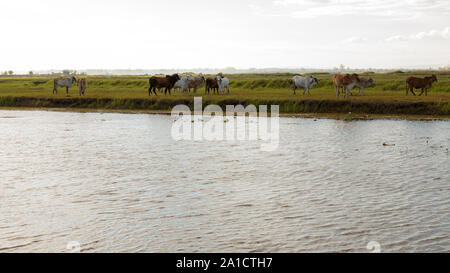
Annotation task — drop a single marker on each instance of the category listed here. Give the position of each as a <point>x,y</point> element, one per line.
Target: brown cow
<point>196,83</point>
<point>211,83</point>
<point>158,82</point>
<point>82,85</point>
<point>420,83</point>
<point>346,82</point>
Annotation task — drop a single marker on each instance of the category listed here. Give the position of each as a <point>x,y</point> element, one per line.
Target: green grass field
<point>131,92</point>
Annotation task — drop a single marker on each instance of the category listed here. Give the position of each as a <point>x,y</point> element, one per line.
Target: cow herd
<point>185,84</point>
<point>343,84</point>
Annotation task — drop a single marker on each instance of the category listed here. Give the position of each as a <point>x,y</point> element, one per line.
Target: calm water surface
<point>119,183</point>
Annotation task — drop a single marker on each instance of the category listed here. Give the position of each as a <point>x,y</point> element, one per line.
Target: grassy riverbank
<point>130,93</point>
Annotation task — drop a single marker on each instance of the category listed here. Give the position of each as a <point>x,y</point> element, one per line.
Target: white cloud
<point>428,35</point>
<point>355,40</point>
<point>390,9</point>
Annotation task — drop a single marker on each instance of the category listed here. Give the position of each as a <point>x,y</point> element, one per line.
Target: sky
<point>131,34</point>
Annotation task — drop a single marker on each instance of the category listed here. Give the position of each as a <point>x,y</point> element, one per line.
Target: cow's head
<point>173,78</point>
<point>433,78</point>
<point>355,77</point>
<point>313,80</point>
<point>370,82</point>
<point>74,79</point>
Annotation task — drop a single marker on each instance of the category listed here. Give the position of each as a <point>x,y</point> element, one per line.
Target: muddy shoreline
<point>336,109</point>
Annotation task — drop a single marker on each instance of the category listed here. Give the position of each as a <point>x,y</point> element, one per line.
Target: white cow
<point>183,84</point>
<point>305,83</point>
<point>223,84</point>
<point>363,84</point>
<point>63,82</point>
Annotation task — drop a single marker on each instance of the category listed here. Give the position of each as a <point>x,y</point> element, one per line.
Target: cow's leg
<point>360,91</point>
<point>412,91</point>
<point>295,88</point>
<point>67,90</point>
<point>426,92</point>
<point>337,92</point>
<point>350,92</point>
<point>423,89</point>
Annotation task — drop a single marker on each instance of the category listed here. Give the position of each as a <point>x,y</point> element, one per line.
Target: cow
<point>305,83</point>
<point>211,83</point>
<point>196,83</point>
<point>82,85</point>
<point>346,82</point>
<point>63,82</point>
<point>183,84</point>
<point>363,84</point>
<point>223,83</point>
<point>158,82</point>
<point>420,83</point>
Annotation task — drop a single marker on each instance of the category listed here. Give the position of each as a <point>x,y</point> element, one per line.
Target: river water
<point>95,182</point>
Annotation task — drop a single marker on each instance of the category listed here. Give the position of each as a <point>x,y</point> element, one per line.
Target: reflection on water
<point>119,183</point>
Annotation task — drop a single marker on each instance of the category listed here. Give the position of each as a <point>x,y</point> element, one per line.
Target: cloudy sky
<point>59,34</point>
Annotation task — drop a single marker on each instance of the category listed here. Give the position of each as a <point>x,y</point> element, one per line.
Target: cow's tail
<point>407,87</point>
<point>150,88</point>
<point>55,83</point>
